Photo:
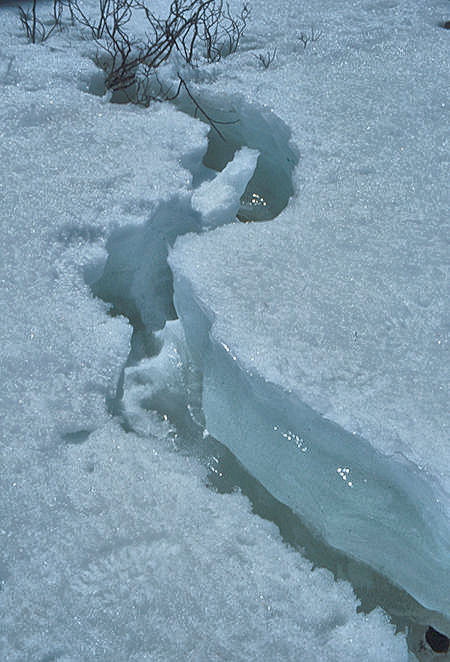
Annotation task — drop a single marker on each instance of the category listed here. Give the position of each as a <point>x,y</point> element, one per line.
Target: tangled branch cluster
<point>193,28</point>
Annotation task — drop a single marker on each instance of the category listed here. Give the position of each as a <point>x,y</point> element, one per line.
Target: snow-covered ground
<point>312,345</point>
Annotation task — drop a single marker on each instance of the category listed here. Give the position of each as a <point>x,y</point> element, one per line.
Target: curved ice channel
<point>245,172</point>
<point>201,384</point>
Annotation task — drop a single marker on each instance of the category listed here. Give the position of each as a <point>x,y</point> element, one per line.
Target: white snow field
<point>311,345</point>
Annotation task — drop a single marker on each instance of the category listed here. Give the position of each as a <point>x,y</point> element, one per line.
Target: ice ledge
<point>372,507</point>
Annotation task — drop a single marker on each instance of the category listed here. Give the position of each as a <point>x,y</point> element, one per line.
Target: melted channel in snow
<point>111,546</point>
<point>165,378</point>
<point>369,506</point>
<point>242,123</point>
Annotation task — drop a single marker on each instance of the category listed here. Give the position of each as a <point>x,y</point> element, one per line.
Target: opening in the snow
<point>242,123</point>
<point>437,641</point>
<point>236,123</point>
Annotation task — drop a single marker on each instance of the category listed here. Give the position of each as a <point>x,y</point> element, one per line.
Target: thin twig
<point>198,107</point>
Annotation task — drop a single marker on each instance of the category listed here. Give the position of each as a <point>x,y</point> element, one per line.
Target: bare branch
<point>267,58</point>
<point>311,37</point>
<point>35,29</point>
<point>193,28</point>
<point>212,122</point>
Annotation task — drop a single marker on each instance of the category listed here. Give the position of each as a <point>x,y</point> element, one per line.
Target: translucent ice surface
<point>325,375</point>
<point>323,337</point>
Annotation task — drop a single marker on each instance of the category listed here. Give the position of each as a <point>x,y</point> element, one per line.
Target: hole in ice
<point>437,641</point>
<point>136,278</point>
<point>138,282</point>
<point>247,124</point>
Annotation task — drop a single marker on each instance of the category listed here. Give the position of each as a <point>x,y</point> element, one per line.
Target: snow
<point>137,560</point>
<point>218,201</point>
<point>112,545</point>
<point>336,312</point>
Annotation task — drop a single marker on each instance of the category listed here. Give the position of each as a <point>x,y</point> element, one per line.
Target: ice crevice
<point>242,172</point>
<point>235,122</point>
<point>370,512</point>
<point>231,179</point>
<point>183,371</point>
<point>242,123</point>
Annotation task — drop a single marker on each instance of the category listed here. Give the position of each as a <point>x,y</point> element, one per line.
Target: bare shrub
<point>309,37</point>
<point>220,31</point>
<point>267,58</point>
<point>111,17</point>
<point>194,29</point>
<point>35,30</point>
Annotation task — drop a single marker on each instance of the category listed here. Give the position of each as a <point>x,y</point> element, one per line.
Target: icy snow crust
<point>111,545</point>
<point>378,508</point>
<point>323,337</point>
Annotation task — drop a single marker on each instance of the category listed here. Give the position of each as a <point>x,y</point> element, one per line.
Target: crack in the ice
<point>144,293</point>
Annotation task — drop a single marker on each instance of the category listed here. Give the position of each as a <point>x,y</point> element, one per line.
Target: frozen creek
<point>179,371</point>
<point>112,545</point>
